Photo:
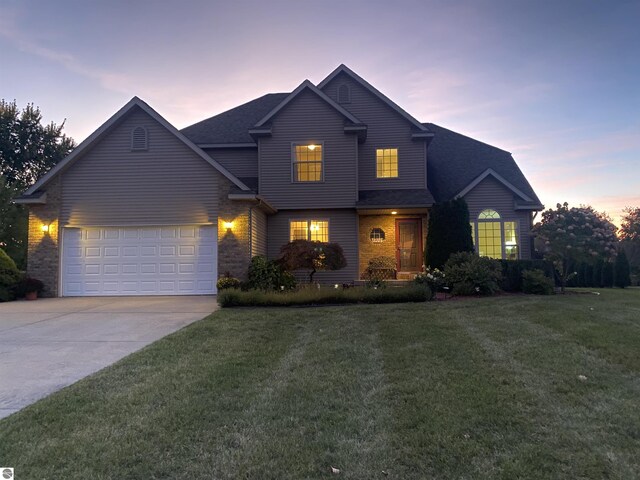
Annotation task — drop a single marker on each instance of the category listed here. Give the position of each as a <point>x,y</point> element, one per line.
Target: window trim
<point>293,161</point>
<point>309,220</point>
<point>375,159</point>
<point>501,220</point>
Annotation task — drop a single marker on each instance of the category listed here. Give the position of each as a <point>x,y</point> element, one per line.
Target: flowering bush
<point>577,234</point>
<point>434,278</point>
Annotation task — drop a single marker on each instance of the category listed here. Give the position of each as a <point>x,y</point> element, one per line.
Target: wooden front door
<point>409,244</point>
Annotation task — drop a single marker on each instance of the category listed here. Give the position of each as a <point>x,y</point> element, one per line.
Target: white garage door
<point>175,260</point>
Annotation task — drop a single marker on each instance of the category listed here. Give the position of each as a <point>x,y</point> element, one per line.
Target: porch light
<point>228,225</point>
<point>394,213</point>
<point>44,227</point>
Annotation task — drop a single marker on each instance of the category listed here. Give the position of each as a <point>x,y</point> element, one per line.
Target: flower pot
<point>31,296</point>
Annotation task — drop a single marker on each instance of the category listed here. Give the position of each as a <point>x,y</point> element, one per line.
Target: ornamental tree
<point>312,256</point>
<point>630,228</point>
<point>449,232</point>
<point>573,235</point>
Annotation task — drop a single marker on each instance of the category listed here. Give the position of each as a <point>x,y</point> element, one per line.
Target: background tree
<point>573,235</point>
<point>449,232</point>
<point>630,238</point>
<point>622,271</point>
<point>312,256</point>
<point>28,149</point>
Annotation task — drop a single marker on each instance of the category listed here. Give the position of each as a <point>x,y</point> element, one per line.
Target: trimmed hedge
<point>512,271</point>
<point>323,296</point>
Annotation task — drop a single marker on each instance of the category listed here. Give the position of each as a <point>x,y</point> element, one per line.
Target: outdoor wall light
<point>45,227</point>
<point>228,226</point>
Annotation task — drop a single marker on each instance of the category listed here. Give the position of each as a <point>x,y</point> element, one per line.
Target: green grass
<point>470,389</point>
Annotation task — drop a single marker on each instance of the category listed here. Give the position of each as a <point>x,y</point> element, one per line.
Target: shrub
<point>267,274</point>
<point>469,274</point>
<point>536,282</point>
<point>449,232</point>
<point>227,281</point>
<point>622,276</point>
<point>434,279</point>
<point>322,296</point>
<point>9,277</point>
<point>512,272</point>
<point>29,285</point>
<point>312,256</point>
<point>380,268</point>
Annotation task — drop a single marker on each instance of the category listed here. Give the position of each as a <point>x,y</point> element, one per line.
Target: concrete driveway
<point>51,343</point>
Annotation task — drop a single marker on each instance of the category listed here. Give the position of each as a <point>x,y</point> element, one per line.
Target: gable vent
<point>139,139</point>
<point>344,94</point>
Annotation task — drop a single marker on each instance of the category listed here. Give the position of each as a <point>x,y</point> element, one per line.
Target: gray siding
<point>242,162</point>
<point>343,229</point>
<point>494,195</point>
<point>258,232</point>
<point>308,119</point>
<point>386,129</point>
<point>167,184</point>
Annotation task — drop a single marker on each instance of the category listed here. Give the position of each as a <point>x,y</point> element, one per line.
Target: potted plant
<point>31,287</point>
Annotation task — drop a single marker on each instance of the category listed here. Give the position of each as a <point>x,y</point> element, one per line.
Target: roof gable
<point>106,127</point>
<point>491,172</point>
<point>306,85</point>
<point>455,161</point>
<point>358,79</point>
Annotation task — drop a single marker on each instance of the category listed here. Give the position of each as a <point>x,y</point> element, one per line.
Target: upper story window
<point>344,94</point>
<point>314,230</point>
<point>386,163</point>
<point>139,139</point>
<point>494,237</point>
<point>307,162</point>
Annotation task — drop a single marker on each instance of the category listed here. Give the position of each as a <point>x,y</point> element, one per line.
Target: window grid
<point>314,230</point>
<point>510,241</point>
<point>489,240</point>
<point>386,162</point>
<point>488,214</point>
<point>307,163</point>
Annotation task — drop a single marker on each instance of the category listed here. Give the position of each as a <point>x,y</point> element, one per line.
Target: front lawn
<point>478,389</point>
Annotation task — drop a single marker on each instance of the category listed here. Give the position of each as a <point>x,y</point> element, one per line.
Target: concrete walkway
<point>51,343</point>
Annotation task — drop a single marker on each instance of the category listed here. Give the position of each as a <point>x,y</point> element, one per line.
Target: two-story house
<point>140,208</point>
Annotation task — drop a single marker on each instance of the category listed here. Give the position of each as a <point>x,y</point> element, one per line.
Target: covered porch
<point>392,239</point>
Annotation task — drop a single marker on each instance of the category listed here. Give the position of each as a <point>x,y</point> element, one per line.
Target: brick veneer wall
<point>387,248</point>
<point>234,247</point>
<point>43,254</point>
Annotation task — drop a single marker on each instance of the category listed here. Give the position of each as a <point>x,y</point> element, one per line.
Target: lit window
<point>386,162</point>
<point>377,235</point>
<point>314,230</point>
<point>495,238</point>
<point>307,163</point>
<point>510,241</point>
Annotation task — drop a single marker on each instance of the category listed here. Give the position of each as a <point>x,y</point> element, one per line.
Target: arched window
<point>495,237</point>
<point>344,94</point>
<point>139,140</point>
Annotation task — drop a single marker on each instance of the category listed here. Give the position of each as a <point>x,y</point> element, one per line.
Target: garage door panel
<point>175,260</point>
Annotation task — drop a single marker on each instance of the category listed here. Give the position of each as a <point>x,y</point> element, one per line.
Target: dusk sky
<point>557,83</point>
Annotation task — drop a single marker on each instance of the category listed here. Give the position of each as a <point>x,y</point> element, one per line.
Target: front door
<point>409,244</point>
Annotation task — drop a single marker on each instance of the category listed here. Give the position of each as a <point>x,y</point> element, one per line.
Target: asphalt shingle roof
<point>454,161</point>
<point>233,125</point>
<point>413,197</point>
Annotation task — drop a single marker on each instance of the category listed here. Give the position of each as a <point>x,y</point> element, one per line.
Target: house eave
<point>252,197</point>
<point>40,199</point>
